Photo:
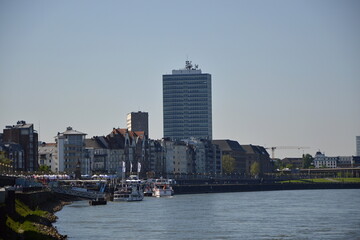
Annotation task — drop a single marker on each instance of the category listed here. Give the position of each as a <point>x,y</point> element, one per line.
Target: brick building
<point>24,135</point>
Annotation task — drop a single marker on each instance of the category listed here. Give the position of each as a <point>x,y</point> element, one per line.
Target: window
<point>24,132</point>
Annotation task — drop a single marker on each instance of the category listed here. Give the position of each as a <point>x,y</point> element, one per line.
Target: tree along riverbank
<point>30,216</point>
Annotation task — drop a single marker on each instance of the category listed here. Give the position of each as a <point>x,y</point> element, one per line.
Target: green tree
<point>255,169</point>
<point>44,168</point>
<point>290,166</point>
<point>307,160</point>
<point>5,163</point>
<point>4,159</point>
<point>278,164</point>
<point>228,163</point>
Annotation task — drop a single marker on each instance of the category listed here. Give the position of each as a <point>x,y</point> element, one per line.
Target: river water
<point>300,214</point>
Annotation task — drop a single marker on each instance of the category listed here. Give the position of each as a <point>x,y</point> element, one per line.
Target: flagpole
<point>138,170</point>
<point>123,174</point>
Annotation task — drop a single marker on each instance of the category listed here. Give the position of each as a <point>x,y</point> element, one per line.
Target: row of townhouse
<point>192,156</point>
<point>106,154</point>
<point>73,152</point>
<point>156,157</point>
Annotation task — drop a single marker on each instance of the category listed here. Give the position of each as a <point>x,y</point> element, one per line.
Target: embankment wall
<point>35,199</point>
<point>219,188</point>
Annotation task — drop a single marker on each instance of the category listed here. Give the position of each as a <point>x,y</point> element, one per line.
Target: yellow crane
<point>283,147</point>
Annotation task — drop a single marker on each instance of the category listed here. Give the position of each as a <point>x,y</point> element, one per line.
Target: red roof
<point>132,134</point>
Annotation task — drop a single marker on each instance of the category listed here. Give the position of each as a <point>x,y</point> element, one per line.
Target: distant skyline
<point>284,73</point>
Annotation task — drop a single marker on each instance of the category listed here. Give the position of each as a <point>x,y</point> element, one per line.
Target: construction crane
<point>283,147</point>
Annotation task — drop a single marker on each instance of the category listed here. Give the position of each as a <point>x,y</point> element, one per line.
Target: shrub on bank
<point>26,223</point>
<point>324,180</point>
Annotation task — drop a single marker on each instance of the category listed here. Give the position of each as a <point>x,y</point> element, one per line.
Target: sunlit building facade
<point>70,150</point>
<point>138,121</point>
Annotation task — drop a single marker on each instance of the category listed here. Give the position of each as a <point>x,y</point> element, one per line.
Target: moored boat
<point>163,190</point>
<point>129,193</point>
<point>148,191</point>
<point>98,201</point>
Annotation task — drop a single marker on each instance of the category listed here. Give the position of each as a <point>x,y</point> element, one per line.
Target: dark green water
<point>301,214</point>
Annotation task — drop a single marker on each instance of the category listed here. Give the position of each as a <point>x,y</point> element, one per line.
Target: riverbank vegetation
<point>26,223</point>
<point>324,180</point>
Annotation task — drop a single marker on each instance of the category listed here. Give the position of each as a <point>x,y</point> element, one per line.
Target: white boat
<point>129,193</point>
<point>162,188</point>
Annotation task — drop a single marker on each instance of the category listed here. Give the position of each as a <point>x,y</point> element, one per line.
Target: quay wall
<point>35,199</point>
<point>220,188</point>
<point>7,181</point>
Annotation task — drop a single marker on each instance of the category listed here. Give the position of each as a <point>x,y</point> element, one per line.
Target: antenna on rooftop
<point>188,65</point>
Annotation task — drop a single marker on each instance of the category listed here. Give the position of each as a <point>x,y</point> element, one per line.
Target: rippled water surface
<point>301,214</point>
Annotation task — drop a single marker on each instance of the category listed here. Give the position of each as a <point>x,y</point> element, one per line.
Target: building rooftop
<point>228,145</point>
<point>92,143</point>
<point>70,131</point>
<point>189,69</point>
<point>44,144</point>
<point>254,149</point>
<point>132,134</point>
<point>20,124</point>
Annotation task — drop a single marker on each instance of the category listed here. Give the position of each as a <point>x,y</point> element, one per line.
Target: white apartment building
<point>181,159</point>
<point>168,147</point>
<point>320,160</point>
<point>48,156</point>
<point>177,157</point>
<point>200,154</point>
<point>71,150</point>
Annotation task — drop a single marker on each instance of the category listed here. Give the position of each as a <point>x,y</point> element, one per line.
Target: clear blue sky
<point>285,73</point>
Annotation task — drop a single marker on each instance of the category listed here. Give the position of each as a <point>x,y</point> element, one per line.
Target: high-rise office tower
<point>138,121</point>
<point>357,145</point>
<point>187,108</point>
